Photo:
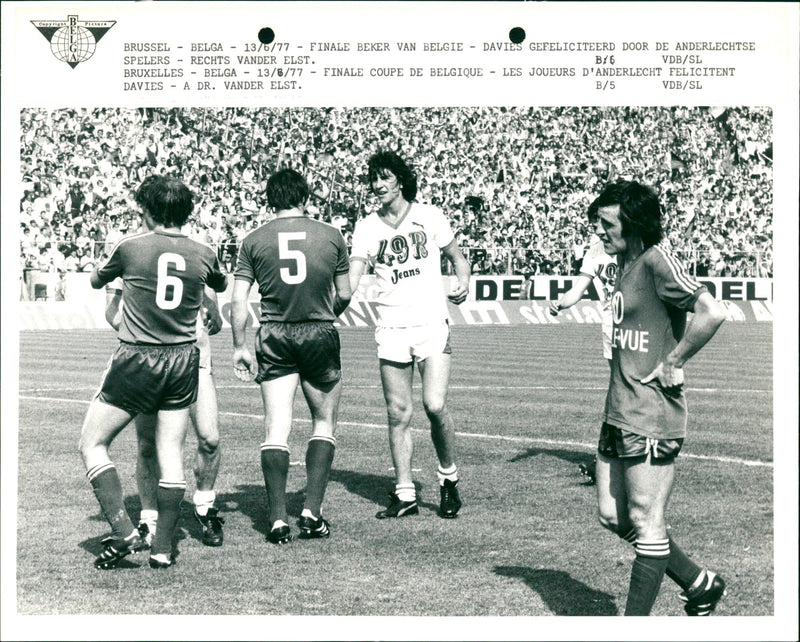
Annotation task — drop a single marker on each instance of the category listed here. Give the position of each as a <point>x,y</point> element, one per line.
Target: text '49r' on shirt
<point>163,278</point>
<point>294,260</point>
<point>407,261</point>
<point>649,304</point>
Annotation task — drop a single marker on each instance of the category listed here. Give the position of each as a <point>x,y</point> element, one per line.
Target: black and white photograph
<point>430,320</point>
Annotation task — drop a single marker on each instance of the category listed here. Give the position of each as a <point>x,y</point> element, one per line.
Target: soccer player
<point>600,268</point>
<point>403,242</point>
<point>301,267</point>
<point>645,416</point>
<point>155,367</point>
<point>205,420</point>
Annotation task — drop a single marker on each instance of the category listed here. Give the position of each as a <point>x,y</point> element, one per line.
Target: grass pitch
<point>527,404</point>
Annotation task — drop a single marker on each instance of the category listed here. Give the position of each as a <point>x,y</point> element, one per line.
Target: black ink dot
<point>516,35</point>
<point>266,35</point>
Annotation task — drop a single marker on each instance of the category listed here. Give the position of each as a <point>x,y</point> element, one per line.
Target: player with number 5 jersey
<point>301,266</point>
<point>155,368</point>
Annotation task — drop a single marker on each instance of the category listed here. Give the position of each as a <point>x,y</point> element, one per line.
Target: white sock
<point>405,492</point>
<point>203,500</point>
<point>308,513</point>
<point>278,523</point>
<point>161,557</point>
<point>450,474</point>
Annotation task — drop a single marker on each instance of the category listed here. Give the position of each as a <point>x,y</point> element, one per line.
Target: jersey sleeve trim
<point>688,283</point>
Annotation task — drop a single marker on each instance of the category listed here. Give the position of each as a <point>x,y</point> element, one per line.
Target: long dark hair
<point>639,210</point>
<point>382,162</point>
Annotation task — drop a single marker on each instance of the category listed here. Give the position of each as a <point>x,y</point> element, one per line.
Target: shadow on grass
<point>574,457</point>
<point>562,594</point>
<point>376,488</point>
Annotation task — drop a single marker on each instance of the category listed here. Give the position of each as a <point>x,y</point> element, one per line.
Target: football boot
<point>450,501</point>
<point>589,470</point>
<point>279,535</point>
<point>398,508</point>
<point>116,549</point>
<point>703,601</point>
<point>311,528</point>
<point>212,526</point>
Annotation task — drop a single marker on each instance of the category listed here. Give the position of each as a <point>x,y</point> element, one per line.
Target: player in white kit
<point>403,242</point>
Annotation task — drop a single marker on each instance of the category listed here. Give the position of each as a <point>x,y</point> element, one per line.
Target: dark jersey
<point>649,305</point>
<point>163,276</point>
<point>294,260</point>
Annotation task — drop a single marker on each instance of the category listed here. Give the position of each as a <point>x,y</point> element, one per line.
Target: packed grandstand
<point>515,182</point>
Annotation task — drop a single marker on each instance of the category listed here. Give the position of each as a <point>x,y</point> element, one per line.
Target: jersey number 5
<point>165,281</point>
<point>285,253</point>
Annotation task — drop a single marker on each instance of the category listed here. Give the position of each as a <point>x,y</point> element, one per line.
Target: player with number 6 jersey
<point>155,367</point>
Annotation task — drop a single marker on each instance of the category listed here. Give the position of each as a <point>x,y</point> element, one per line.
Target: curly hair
<point>639,210</point>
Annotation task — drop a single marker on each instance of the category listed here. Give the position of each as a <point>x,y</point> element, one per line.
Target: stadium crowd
<point>515,181</point>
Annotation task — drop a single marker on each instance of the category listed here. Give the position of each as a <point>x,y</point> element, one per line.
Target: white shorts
<point>402,345</point>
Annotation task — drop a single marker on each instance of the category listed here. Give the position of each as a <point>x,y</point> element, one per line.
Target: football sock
<point>203,500</point>
<point>683,571</point>
<point>702,583</point>
<point>169,494</point>
<point>450,474</point>
<point>319,457</point>
<point>646,575</point>
<point>309,514</point>
<point>148,516</point>
<point>630,536</point>
<point>108,490</point>
<point>275,466</point>
<point>405,492</point>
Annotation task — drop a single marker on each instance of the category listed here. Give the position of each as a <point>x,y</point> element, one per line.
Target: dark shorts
<point>144,379</point>
<point>310,349</point>
<point>616,443</point>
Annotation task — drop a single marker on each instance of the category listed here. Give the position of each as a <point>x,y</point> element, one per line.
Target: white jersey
<point>407,263</point>
<point>602,269</point>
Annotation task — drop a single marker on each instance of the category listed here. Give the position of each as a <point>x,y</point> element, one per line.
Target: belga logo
<point>73,41</point>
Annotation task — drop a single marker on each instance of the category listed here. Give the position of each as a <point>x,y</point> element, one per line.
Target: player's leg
<point>396,379</point>
<point>648,481</point>
<point>170,437</point>
<point>147,474</point>
<point>323,402</point>
<point>278,398</point>
<point>205,419</point>
<point>102,423</point>
<point>435,373</point>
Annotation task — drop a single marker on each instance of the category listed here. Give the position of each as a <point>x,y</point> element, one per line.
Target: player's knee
<point>398,413</point>
<point>208,445</point>
<point>608,519</point>
<point>435,408</point>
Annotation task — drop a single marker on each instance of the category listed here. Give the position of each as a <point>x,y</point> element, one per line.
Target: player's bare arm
<point>708,316</point>
<point>113,306</point>
<point>341,283</point>
<point>357,268</point>
<point>571,296</point>
<point>240,317</point>
<point>212,319</point>
<point>461,266</point>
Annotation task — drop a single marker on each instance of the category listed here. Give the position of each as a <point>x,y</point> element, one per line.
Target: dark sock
<point>275,466</point>
<point>683,571</point>
<point>169,496</point>
<point>646,575</point>
<point>108,490</point>
<point>319,457</point>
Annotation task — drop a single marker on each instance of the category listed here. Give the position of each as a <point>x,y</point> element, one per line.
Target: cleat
<point>704,602</point>
<point>450,502</point>
<point>145,534</point>
<point>313,528</point>
<point>589,471</point>
<point>279,535</point>
<point>116,549</point>
<point>212,526</point>
<point>154,563</point>
<point>398,508</point>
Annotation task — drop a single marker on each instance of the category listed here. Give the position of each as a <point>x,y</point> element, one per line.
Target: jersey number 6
<point>285,253</point>
<point>165,281</point>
